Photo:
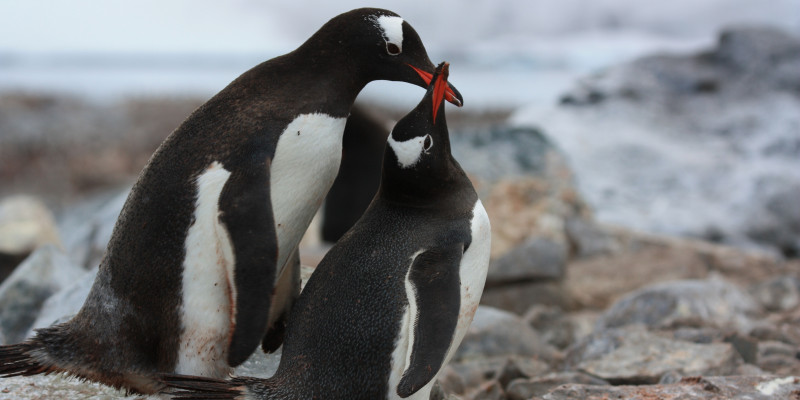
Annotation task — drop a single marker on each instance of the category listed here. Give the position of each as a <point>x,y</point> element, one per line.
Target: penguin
<point>390,302</point>
<point>359,175</point>
<point>202,265</point>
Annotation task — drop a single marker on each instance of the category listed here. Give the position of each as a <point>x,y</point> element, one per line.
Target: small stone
<point>520,367</point>
<point>476,371</point>
<point>451,381</point>
<point>778,358</point>
<point>746,346</point>
<point>519,297</point>
<point>670,377</point>
<point>778,294</point>
<point>537,259</point>
<point>489,391</point>
<point>589,239</point>
<point>25,224</point>
<point>499,333</point>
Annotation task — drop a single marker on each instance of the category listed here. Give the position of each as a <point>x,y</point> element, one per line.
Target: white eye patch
<point>409,151</point>
<point>392,29</point>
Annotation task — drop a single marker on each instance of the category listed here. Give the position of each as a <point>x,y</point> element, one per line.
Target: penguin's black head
<point>418,148</point>
<point>382,46</point>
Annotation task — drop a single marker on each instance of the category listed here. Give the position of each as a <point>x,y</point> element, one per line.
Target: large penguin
<point>390,302</point>
<point>203,260</point>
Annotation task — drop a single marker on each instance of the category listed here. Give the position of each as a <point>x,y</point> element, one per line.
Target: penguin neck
<point>312,83</point>
<point>337,76</point>
<point>421,187</point>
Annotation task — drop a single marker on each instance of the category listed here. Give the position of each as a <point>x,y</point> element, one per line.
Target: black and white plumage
<point>202,265</point>
<point>388,305</point>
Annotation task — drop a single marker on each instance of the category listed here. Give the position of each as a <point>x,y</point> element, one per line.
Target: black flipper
<point>435,276</point>
<point>286,292</point>
<point>246,211</point>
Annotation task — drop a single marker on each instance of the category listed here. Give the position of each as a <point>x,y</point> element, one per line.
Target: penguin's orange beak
<point>440,88</point>
<point>451,94</point>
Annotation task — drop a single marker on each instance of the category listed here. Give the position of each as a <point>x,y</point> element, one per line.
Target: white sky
<point>269,25</point>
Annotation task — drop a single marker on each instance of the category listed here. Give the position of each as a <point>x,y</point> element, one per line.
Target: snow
<point>504,53</point>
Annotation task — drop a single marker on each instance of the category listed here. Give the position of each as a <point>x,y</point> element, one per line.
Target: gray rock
<point>709,388</point>
<point>520,297</point>
<point>681,131</point>
<point>670,377</point>
<point>499,333</point>
<point>551,323</point>
<point>538,259</point>
<point>778,221</point>
<point>588,239</point>
<point>632,355</point>
<point>558,328</point>
<point>520,367</point>
<point>713,303</point>
<point>489,391</point>
<point>504,151</point>
<point>701,334</point>
<point>65,303</point>
<point>476,371</point>
<point>87,227</point>
<point>23,293</point>
<point>780,293</point>
<point>746,346</point>
<point>438,393</point>
<point>779,358</point>
<point>758,49</point>
<point>450,381</point>
<point>524,389</point>
<point>25,224</point>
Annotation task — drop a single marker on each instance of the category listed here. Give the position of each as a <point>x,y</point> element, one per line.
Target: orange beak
<point>440,88</point>
<point>450,95</point>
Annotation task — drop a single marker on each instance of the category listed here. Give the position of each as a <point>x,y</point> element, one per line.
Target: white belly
<point>207,288</point>
<point>305,165</point>
<point>472,273</point>
<point>303,169</point>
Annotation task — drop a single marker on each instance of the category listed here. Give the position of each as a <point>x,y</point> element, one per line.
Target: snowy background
<point>517,56</point>
<point>505,53</point>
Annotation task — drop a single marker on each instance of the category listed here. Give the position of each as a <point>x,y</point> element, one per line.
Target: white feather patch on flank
<point>208,289</point>
<point>404,344</point>
<point>306,162</point>
<point>472,272</point>
<point>392,29</point>
<point>408,152</point>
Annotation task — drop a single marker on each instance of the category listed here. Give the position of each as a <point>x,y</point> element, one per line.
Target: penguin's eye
<point>428,143</point>
<point>392,49</point>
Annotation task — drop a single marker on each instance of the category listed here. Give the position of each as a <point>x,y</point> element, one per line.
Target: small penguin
<point>202,265</point>
<point>389,304</point>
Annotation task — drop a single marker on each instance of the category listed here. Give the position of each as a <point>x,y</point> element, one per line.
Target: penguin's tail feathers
<point>186,387</point>
<point>18,360</point>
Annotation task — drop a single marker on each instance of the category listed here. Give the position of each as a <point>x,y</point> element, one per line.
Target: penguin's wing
<point>437,290</point>
<point>246,211</point>
<point>287,289</point>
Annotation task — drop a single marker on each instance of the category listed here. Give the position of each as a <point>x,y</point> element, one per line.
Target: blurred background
<point>639,160</point>
<point>89,88</point>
